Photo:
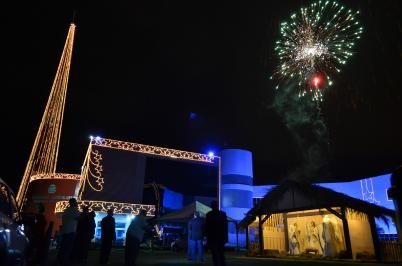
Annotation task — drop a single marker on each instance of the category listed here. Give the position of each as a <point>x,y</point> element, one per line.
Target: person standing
<point>134,236</point>
<point>37,248</point>
<point>84,234</point>
<point>69,220</point>
<point>216,231</point>
<point>108,235</point>
<point>196,237</point>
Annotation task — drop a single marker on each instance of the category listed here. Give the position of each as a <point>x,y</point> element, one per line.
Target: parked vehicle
<point>13,242</point>
<point>162,236</point>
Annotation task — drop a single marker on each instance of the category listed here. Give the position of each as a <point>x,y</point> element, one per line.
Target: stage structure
<point>113,174</point>
<point>113,177</point>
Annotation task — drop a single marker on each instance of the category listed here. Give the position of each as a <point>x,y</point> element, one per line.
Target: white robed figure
<point>294,245</point>
<point>313,237</point>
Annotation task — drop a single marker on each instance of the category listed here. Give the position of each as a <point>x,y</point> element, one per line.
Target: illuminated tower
<point>43,157</point>
<point>237,182</point>
<point>236,195</point>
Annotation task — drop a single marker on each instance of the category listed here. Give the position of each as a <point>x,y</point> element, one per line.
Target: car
<point>13,241</point>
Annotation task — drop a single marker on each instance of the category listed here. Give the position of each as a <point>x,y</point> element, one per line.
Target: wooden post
<point>286,228</point>
<point>374,235</point>
<point>345,224</point>
<point>260,236</point>
<point>247,238</point>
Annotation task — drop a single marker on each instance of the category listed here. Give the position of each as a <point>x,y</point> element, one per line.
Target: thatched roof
<point>291,195</point>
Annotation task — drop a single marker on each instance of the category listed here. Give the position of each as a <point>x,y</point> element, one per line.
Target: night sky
<point>141,68</point>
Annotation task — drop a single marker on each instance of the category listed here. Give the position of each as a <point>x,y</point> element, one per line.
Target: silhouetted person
<point>216,231</point>
<point>134,236</point>
<point>196,236</point>
<point>108,235</point>
<point>46,245</point>
<point>38,237</point>
<point>84,234</point>
<point>57,237</point>
<point>69,220</point>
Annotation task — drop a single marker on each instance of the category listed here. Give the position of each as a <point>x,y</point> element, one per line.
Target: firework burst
<point>314,45</point>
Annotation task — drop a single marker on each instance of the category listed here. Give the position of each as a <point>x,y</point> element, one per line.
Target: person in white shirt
<point>134,235</point>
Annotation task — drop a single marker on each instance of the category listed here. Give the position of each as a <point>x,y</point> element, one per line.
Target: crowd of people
<point>76,232</point>
<point>36,232</point>
<point>214,229</point>
<point>78,229</point>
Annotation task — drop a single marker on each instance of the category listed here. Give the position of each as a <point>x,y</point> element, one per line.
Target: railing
<point>391,251</point>
<point>388,237</point>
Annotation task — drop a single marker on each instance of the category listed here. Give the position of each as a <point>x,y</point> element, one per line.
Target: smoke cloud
<point>303,117</point>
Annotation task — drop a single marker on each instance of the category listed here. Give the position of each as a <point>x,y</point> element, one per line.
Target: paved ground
<point>164,257</point>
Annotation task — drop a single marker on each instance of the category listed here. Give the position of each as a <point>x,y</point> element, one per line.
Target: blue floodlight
<point>192,115</point>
